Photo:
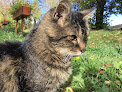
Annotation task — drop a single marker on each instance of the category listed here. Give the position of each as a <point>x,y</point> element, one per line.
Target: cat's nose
<point>82,47</point>
<point>83,50</point>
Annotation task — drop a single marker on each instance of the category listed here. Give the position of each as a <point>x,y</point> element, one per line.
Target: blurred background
<point>107,16</point>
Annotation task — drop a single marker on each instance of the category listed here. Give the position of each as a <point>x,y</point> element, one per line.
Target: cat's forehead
<point>69,30</point>
<point>77,15</point>
<point>77,18</point>
<point>73,29</point>
<point>76,24</point>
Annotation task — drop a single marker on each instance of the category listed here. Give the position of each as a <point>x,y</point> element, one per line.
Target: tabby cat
<point>43,61</point>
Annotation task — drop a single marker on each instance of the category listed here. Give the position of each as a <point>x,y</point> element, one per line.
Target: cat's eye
<point>72,37</point>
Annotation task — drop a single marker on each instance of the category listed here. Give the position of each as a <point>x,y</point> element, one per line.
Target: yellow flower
<point>69,89</point>
<point>77,58</point>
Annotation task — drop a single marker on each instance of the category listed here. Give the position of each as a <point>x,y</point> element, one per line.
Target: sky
<point>115,20</point>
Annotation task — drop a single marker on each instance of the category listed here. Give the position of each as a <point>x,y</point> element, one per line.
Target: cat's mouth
<point>75,54</point>
<point>72,53</point>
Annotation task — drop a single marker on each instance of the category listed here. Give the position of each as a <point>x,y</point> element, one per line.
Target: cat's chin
<point>70,53</point>
<point>77,54</point>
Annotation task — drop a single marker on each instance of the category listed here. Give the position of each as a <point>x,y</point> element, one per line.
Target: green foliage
<point>8,29</point>
<point>52,3</point>
<point>1,21</point>
<point>36,11</point>
<point>9,35</point>
<point>18,3</point>
<point>6,19</point>
<point>112,6</point>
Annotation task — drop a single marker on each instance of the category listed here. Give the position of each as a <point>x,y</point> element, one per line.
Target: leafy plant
<point>9,29</point>
<point>18,3</point>
<point>7,35</point>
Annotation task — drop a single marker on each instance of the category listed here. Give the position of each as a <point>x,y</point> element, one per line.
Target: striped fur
<point>43,61</point>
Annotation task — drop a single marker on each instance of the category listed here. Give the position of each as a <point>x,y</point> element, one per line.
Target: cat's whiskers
<point>66,59</point>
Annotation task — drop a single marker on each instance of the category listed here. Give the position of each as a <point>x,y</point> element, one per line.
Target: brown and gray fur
<point>43,61</point>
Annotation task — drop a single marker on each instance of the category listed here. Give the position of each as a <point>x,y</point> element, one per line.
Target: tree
<point>36,11</point>
<point>4,8</point>
<point>4,11</point>
<point>52,3</point>
<point>104,9</point>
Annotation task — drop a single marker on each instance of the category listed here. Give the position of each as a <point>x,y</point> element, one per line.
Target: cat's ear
<point>87,13</point>
<point>63,12</point>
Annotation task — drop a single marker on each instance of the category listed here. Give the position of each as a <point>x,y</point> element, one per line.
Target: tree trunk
<point>34,22</point>
<point>99,14</point>
<point>99,19</point>
<point>22,22</point>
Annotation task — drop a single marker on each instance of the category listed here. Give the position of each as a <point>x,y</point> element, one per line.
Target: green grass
<point>6,35</point>
<point>99,69</point>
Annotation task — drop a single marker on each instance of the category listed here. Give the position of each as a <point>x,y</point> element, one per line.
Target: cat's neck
<point>47,55</point>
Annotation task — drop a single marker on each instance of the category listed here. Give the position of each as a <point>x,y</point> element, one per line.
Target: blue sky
<point>115,20</point>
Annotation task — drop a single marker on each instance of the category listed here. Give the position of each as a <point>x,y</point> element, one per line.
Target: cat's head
<point>67,30</point>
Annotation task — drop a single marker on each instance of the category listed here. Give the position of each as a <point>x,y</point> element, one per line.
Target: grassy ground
<point>10,36</point>
<point>99,69</point>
